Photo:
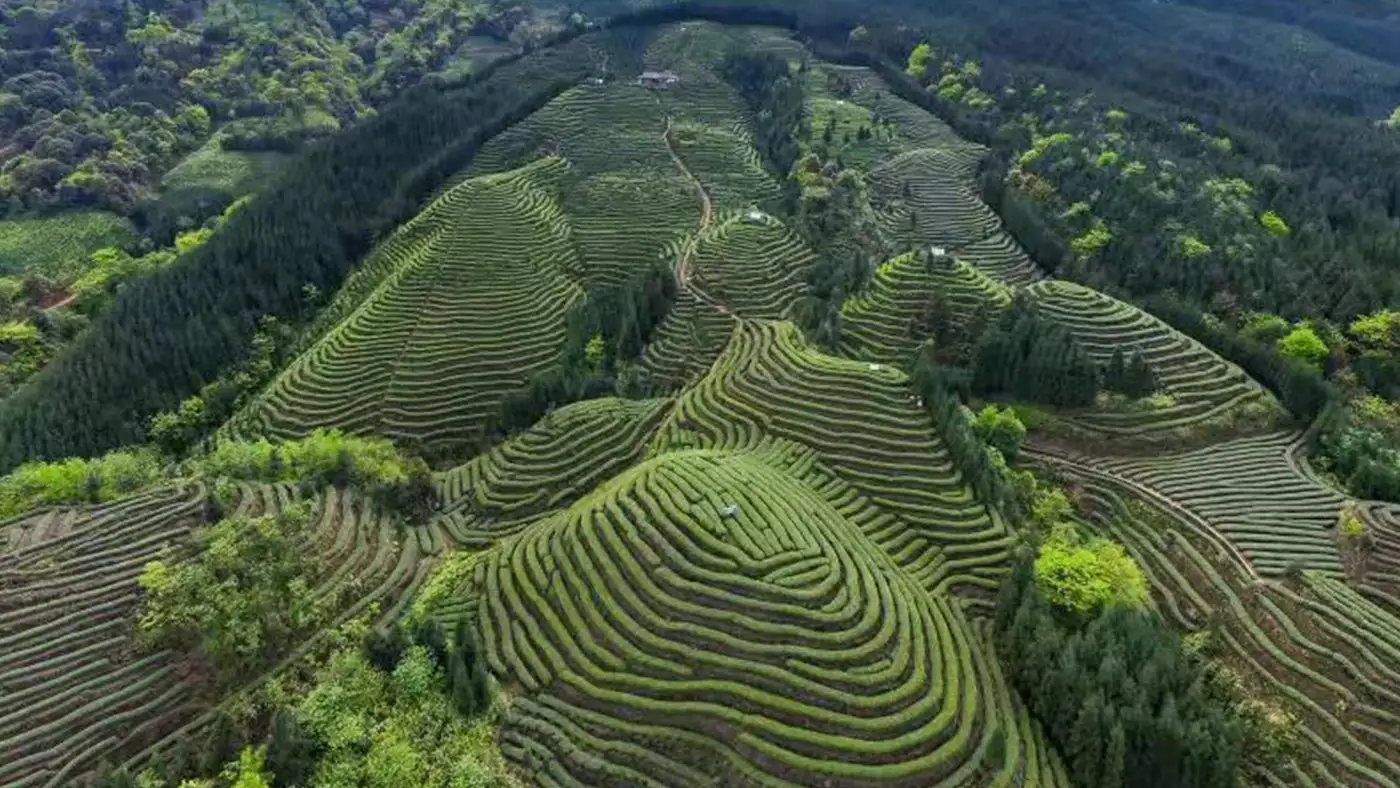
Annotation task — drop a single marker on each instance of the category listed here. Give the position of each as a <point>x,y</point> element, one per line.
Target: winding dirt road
<point>707,220</point>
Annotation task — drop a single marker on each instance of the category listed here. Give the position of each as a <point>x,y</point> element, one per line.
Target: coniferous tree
<point>430,636</point>
<point>459,677</point>
<point>1116,372</point>
<point>1138,379</point>
<point>291,753</point>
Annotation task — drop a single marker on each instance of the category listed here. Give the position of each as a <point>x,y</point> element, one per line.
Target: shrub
<point>1001,429</point>
<point>77,480</point>
<point>1117,692</point>
<point>328,457</point>
<point>1086,576</point>
<point>1303,344</point>
<point>246,592</point>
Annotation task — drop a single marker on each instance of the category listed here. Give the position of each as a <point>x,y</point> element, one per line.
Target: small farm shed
<point>658,80</point>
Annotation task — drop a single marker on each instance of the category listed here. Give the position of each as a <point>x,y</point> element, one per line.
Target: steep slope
<point>470,298</point>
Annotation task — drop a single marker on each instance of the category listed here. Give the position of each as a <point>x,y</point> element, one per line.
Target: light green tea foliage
<point>77,480</point>
<point>1085,576</point>
<point>450,579</point>
<point>59,245</point>
<point>397,730</point>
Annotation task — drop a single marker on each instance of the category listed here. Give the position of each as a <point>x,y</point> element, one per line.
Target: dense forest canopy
<point>99,99</point>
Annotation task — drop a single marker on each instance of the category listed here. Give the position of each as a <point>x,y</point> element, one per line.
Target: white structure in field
<point>658,80</point>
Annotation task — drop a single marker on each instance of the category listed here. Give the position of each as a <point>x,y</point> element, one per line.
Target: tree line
<point>604,335</point>
<point>1118,694</point>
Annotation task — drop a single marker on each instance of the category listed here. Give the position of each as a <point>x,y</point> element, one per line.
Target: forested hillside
<point>707,394</point>
<point>128,130</point>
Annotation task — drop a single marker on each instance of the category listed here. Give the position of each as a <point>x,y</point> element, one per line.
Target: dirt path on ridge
<point>707,220</point>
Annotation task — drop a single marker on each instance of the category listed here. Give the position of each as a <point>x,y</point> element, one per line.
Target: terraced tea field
<point>705,617</point>
<point>505,490</point>
<point>74,691</point>
<point>861,421</point>
<point>1203,388</point>
<point>756,266</point>
<point>771,571</point>
<point>1311,646</point>
<point>888,322</point>
<point>468,302</point>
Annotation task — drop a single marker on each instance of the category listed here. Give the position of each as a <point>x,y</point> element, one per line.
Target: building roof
<point>659,75</point>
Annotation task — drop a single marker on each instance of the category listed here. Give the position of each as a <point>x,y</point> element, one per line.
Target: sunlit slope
<point>1254,492</point>
<point>627,202</point>
<point>705,618</point>
<point>1306,646</point>
<point>753,264</point>
<point>908,298</point>
<point>710,124</point>
<point>464,305</point>
<point>863,423</point>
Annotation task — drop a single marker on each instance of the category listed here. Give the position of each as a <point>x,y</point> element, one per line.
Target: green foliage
<point>1042,145</point>
<point>75,481</point>
<point>1115,690</point>
<point>311,230</point>
<point>938,388</point>
<point>1394,120</point>
<point>245,594</point>
<point>1275,224</point>
<point>1303,344</point>
<point>1378,331</point>
<point>1086,576</point>
<point>917,66</point>
<point>1357,445</point>
<point>1001,429</point>
<point>1091,240</point>
<point>58,245</point>
<point>397,730</point>
<point>1264,327</point>
<point>399,483</point>
<point>177,431</point>
<point>621,319</point>
<point>1192,247</point>
<point>1133,379</point>
<point>834,216</point>
<point>1300,387</point>
<point>291,753</point>
<point>1034,359</point>
<point>248,772</point>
